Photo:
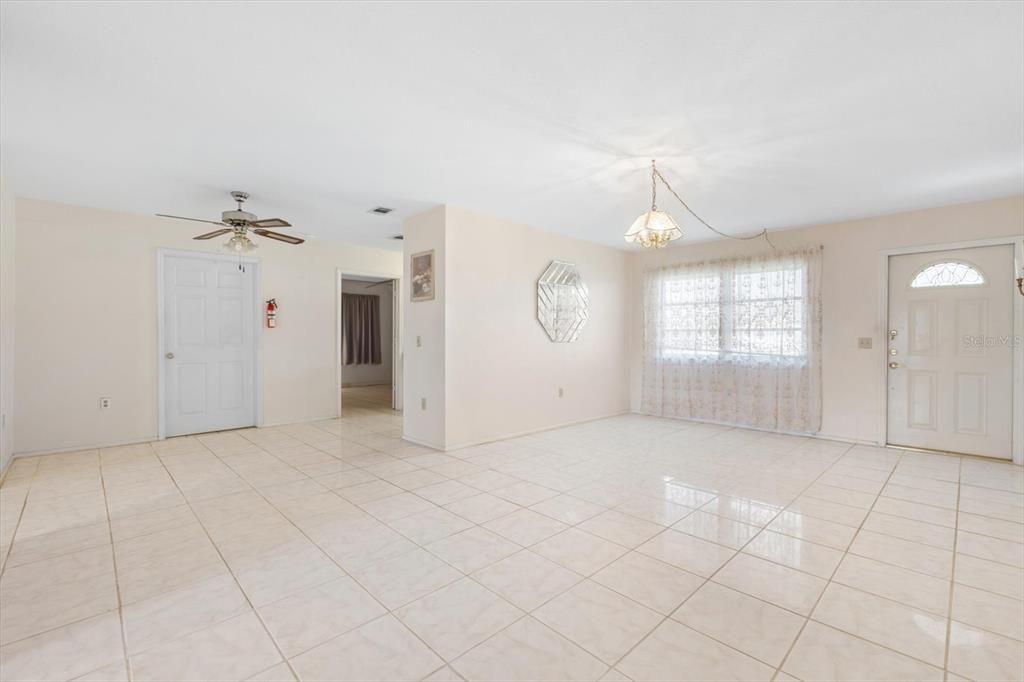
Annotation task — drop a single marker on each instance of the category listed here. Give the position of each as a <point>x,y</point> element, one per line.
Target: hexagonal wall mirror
<point>563,302</point>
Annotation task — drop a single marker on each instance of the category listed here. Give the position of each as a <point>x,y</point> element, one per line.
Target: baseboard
<point>78,448</point>
<point>5,468</point>
<point>154,438</point>
<point>325,418</point>
<point>426,444</point>
<point>447,448</point>
<point>819,436</point>
<point>517,434</point>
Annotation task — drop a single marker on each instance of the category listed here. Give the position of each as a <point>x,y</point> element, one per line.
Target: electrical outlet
<point>864,342</point>
<point>561,391</point>
<point>104,403</point>
<point>423,403</point>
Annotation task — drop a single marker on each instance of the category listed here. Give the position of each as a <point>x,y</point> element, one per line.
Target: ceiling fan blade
<point>270,222</point>
<point>215,233</point>
<point>278,236</point>
<point>195,220</point>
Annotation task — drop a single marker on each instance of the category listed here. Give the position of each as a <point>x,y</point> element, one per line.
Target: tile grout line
<point>224,561</point>
<point>521,549</point>
<point>17,524</point>
<point>262,447</point>
<point>388,611</point>
<point>113,559</point>
<point>715,572</point>
<point>952,580</point>
<point>828,582</point>
<point>824,472</point>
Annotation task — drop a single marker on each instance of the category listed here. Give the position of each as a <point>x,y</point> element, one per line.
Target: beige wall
<point>86,323</point>
<point>7,323</point>
<point>499,372</point>
<point>423,368</point>
<point>503,373</point>
<point>370,375</point>
<point>852,379</point>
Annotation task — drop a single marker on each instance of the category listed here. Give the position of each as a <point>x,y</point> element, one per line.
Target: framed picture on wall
<point>422,276</point>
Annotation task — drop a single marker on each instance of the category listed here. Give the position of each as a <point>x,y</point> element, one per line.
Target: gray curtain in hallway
<point>360,316</point>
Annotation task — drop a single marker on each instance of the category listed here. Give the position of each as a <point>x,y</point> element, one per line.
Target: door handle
<point>893,365</point>
<point>169,356</point>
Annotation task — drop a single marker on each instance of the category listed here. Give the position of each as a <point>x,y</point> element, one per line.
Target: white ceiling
<point>761,114</point>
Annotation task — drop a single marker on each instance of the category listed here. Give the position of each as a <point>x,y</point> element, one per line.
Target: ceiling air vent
<point>382,210</point>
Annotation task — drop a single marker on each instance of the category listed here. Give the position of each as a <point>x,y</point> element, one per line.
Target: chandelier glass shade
<point>653,228</point>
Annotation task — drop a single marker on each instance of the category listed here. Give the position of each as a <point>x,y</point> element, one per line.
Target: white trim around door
<point>396,331</point>
<point>1017,447</point>
<point>248,262</point>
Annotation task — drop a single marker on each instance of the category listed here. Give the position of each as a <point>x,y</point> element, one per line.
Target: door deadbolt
<point>169,356</point>
<point>892,333</point>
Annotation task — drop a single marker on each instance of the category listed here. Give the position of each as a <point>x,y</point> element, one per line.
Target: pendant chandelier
<point>656,228</point>
<point>653,228</point>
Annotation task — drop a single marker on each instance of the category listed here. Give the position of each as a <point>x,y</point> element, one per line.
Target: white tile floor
<point>628,548</point>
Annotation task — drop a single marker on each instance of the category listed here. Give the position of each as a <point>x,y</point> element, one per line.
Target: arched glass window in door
<point>948,274</point>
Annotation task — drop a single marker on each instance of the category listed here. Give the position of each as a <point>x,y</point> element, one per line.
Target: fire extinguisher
<point>272,313</point>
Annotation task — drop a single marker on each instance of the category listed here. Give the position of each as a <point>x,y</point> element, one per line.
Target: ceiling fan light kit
<point>240,244</point>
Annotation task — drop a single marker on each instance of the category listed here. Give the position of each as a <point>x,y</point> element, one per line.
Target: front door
<point>950,376</point>
<point>209,344</point>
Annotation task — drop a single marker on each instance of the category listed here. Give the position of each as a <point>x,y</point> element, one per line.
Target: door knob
<point>169,356</point>
<point>893,365</point>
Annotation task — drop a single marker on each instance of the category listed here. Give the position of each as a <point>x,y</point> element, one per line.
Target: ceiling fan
<point>241,223</point>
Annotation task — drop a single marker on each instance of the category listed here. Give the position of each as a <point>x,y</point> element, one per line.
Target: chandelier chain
<point>654,188</point>
<point>656,174</point>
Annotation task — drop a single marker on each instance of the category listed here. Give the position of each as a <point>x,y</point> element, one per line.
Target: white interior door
<point>209,345</point>
<point>950,376</point>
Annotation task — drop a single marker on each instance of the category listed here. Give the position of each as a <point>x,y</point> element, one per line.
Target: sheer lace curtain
<point>736,341</point>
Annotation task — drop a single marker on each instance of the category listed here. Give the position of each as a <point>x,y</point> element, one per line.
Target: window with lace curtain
<point>752,312</point>
<point>735,341</point>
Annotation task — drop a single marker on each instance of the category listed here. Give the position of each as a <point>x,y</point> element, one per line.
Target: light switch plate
<point>864,342</point>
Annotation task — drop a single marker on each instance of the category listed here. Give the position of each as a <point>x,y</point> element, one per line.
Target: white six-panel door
<point>208,345</point>
<point>950,375</point>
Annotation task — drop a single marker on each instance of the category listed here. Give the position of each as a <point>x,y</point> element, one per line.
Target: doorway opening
<point>369,352</point>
